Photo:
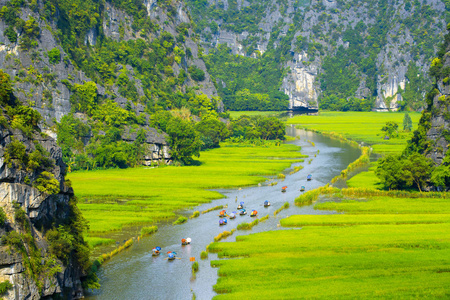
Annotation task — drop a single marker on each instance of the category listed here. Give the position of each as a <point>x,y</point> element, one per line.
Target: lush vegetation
<point>111,199</point>
<point>381,247</point>
<point>245,83</point>
<point>359,126</point>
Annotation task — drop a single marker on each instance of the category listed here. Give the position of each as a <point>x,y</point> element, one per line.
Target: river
<point>136,274</point>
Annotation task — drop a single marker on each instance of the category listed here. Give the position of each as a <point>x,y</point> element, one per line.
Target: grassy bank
<point>381,247</point>
<point>359,126</point>
<point>112,199</point>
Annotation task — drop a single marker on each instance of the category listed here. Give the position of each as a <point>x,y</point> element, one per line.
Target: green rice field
<point>359,126</point>
<point>380,247</point>
<point>237,114</point>
<point>112,199</point>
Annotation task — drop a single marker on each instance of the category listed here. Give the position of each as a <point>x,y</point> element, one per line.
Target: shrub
<point>5,286</point>
<point>204,255</point>
<point>2,217</point>
<point>195,214</point>
<point>54,56</point>
<point>195,267</point>
<point>196,73</point>
<point>148,230</point>
<point>180,220</point>
<point>47,183</point>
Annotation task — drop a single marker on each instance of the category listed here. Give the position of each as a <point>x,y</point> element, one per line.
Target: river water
<point>136,274</point>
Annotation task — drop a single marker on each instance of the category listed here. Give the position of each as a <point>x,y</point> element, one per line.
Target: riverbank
<point>114,199</point>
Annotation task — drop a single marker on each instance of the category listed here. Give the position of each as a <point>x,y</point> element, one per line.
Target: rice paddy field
<point>379,247</point>
<point>359,126</point>
<point>237,114</point>
<point>113,199</point>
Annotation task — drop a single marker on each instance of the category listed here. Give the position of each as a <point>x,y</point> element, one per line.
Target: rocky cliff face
<point>411,32</point>
<point>26,260</point>
<point>45,85</point>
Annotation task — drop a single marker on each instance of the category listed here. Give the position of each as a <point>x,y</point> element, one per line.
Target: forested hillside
<point>104,76</point>
<point>340,55</point>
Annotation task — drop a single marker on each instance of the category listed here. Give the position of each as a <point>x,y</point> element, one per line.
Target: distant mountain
<point>346,55</point>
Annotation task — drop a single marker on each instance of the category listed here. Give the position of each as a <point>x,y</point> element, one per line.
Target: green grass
<point>366,179</point>
<point>359,126</point>
<point>112,199</point>
<point>382,247</point>
<point>237,114</point>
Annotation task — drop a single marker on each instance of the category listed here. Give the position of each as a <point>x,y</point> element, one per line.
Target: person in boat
<point>266,203</point>
<point>223,221</point>
<point>302,188</point>
<point>185,241</point>
<point>309,177</point>
<point>232,215</point>
<point>223,213</point>
<point>241,205</point>
<point>242,212</point>
<point>253,213</point>
<point>156,251</point>
<point>171,255</point>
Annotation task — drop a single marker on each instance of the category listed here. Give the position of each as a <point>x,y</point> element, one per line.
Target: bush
<point>2,217</point>
<point>196,73</point>
<point>148,230</point>
<point>54,56</point>
<point>195,267</point>
<point>5,286</point>
<point>204,255</point>
<point>180,220</point>
<point>47,183</point>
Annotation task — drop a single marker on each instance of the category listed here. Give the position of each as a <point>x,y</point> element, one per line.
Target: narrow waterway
<point>136,274</point>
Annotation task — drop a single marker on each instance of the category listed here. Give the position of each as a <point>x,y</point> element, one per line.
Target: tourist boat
<point>156,251</point>
<point>241,205</point>
<point>283,189</point>
<point>302,188</point>
<point>253,213</point>
<point>223,221</point>
<point>309,177</point>
<point>266,203</point>
<point>242,212</point>
<point>171,255</point>
<point>185,241</point>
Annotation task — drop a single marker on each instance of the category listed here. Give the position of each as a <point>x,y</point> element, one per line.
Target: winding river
<point>136,274</point>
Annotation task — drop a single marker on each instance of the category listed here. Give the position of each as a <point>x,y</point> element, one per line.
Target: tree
<point>397,172</point>
<point>5,88</point>
<point>212,132</point>
<point>183,140</point>
<point>390,129</point>
<point>418,168</point>
<point>407,122</point>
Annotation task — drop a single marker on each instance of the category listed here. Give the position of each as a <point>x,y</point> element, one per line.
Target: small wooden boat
<point>242,212</point>
<point>266,203</point>
<point>232,215</point>
<point>241,205</point>
<point>283,189</point>
<point>223,213</point>
<point>253,213</point>
<point>302,188</point>
<point>223,221</point>
<point>171,255</point>
<point>309,177</point>
<point>186,241</point>
<point>156,251</point>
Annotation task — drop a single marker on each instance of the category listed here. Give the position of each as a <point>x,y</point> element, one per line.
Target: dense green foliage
<point>346,40</point>
<point>398,172</point>
<point>245,83</point>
